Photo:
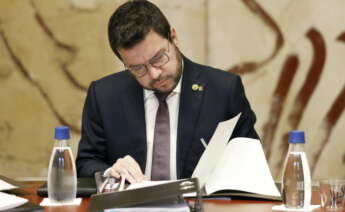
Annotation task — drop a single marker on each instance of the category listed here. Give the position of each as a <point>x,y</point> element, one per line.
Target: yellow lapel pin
<point>196,87</point>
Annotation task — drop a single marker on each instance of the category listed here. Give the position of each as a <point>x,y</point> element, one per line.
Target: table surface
<point>209,205</point>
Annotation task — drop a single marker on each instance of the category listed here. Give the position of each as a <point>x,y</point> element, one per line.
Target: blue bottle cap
<point>296,136</point>
<point>62,133</point>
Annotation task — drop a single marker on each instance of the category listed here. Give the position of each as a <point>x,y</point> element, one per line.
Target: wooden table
<point>209,205</point>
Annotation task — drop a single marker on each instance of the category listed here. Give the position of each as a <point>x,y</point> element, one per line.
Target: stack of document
<point>8,201</point>
<point>6,186</point>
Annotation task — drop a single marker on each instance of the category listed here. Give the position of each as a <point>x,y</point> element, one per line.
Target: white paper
<point>48,202</point>
<point>283,208</point>
<point>213,152</point>
<point>8,201</point>
<point>243,167</point>
<point>183,207</point>
<point>6,186</point>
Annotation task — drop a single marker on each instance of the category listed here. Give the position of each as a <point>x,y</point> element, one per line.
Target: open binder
<point>235,167</point>
<point>167,193</point>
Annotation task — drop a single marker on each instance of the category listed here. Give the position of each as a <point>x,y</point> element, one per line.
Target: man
<point>126,130</point>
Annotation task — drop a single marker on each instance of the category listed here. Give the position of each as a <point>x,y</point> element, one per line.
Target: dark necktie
<point>161,141</point>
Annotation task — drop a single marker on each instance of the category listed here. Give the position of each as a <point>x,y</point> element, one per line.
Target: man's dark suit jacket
<point>113,123</point>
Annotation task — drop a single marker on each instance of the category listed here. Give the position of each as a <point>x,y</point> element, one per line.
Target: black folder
<point>85,188</point>
<point>167,193</point>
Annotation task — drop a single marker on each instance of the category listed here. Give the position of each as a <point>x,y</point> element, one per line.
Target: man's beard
<point>175,77</point>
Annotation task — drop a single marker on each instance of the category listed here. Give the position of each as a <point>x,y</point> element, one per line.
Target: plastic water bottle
<point>62,178</point>
<point>296,184</point>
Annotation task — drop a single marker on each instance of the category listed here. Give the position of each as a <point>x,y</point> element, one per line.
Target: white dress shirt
<point>151,106</point>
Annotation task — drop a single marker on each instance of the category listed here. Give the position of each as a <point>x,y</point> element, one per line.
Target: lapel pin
<point>196,87</point>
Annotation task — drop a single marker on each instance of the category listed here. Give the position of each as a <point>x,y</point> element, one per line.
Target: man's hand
<point>128,167</point>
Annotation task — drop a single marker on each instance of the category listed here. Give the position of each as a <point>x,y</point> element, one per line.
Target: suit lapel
<point>133,107</point>
<point>190,104</point>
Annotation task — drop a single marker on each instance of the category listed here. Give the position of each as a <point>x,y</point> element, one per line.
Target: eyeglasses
<point>159,60</point>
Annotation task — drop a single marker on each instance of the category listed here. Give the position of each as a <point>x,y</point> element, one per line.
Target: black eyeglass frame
<point>141,69</point>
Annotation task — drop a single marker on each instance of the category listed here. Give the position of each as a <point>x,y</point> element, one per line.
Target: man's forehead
<point>144,50</point>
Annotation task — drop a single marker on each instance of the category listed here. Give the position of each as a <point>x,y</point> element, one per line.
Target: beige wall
<point>290,55</point>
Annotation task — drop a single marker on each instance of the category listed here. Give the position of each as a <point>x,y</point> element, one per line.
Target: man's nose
<point>153,71</point>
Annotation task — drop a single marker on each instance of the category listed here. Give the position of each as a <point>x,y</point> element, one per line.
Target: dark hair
<point>131,22</point>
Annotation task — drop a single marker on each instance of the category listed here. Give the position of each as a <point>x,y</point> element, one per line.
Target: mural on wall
<point>290,55</point>
<point>45,69</point>
<point>301,99</point>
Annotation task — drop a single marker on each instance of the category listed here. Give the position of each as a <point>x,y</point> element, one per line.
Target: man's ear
<point>173,36</point>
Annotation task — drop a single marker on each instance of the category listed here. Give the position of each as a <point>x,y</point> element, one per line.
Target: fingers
<point>111,172</point>
<point>127,167</point>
